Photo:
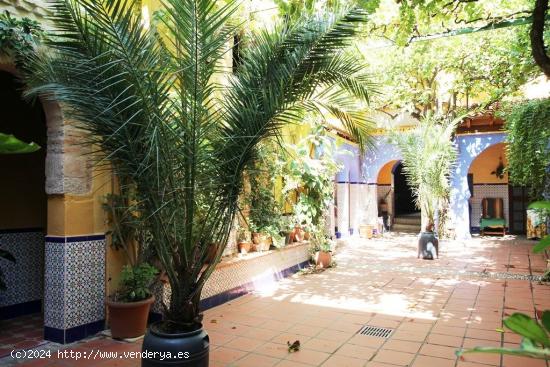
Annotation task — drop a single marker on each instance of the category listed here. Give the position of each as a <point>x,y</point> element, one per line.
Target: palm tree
<point>149,100</point>
<point>428,154</point>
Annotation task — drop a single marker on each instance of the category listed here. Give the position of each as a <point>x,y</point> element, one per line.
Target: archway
<point>487,179</point>
<point>404,198</point>
<point>23,218</point>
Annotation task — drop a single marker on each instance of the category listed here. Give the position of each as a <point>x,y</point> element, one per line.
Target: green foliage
<point>135,282</point>
<point>19,37</point>
<point>462,71</point>
<point>265,212</point>
<point>153,105</point>
<point>310,173</point>
<point>428,155</point>
<point>535,342</point>
<point>9,144</point>
<point>528,134</point>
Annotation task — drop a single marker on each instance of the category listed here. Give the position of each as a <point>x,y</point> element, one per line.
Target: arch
<point>487,182</point>
<point>54,167</point>
<point>469,147</point>
<point>382,153</point>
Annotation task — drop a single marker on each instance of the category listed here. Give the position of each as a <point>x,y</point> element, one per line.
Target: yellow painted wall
<point>385,174</point>
<point>487,162</point>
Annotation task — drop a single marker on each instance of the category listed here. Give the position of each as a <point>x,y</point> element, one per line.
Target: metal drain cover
<point>378,332</point>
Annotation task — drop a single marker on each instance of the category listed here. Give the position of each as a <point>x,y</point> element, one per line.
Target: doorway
<point>24,212</point>
<point>404,198</point>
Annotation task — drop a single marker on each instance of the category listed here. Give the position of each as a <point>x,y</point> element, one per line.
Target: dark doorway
<point>24,211</point>
<point>519,200</point>
<point>404,200</point>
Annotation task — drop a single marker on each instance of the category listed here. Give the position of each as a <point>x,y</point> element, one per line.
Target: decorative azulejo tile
<point>75,275</point>
<point>24,279</point>
<point>482,191</point>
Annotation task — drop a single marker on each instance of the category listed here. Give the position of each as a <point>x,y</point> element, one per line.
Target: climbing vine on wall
<point>528,128</point>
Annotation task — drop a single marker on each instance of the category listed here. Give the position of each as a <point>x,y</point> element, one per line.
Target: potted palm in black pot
<point>152,105</point>
<point>429,154</point>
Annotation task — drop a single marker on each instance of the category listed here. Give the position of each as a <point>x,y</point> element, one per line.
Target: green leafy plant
<point>9,144</point>
<point>528,153</point>
<point>265,212</point>
<point>153,105</point>
<point>428,155</point>
<point>535,342</point>
<point>310,173</point>
<point>135,283</point>
<point>19,38</point>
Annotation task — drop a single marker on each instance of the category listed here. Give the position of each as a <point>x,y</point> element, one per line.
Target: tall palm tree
<point>150,101</point>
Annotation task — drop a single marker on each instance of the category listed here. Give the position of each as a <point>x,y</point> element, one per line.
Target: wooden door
<point>518,201</point>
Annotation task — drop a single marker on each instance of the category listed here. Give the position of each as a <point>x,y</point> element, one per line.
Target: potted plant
<point>152,105</point>
<point>244,240</point>
<point>129,306</point>
<point>322,251</point>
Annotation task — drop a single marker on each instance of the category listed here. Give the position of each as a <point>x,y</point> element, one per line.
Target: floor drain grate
<point>375,331</point>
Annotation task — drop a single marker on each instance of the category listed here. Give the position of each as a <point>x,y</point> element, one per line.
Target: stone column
<point>75,243</point>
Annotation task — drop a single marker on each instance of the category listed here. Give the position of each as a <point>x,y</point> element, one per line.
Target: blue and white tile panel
<point>24,279</point>
<point>75,282</point>
<point>482,191</point>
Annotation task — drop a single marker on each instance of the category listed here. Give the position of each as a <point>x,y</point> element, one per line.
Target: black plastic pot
<point>428,246</point>
<point>184,349</point>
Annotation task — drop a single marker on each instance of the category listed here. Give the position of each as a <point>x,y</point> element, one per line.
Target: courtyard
<point>430,309</point>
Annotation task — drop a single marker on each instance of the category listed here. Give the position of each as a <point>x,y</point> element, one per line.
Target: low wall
<point>236,276</point>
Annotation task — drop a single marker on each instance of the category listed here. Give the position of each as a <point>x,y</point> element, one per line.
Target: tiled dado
<point>482,191</point>
<point>74,287</point>
<point>24,279</point>
<point>235,277</point>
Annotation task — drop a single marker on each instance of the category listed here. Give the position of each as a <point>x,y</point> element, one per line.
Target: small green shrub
<point>135,282</point>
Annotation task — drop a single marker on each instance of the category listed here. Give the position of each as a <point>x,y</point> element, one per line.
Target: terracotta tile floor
<point>21,332</point>
<point>432,307</point>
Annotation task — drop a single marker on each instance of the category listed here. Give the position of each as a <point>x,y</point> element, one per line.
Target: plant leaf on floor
<point>294,347</point>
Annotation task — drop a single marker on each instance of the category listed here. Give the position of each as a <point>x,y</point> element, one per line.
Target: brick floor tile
<point>426,361</point>
<point>402,346</point>
<point>515,361</point>
<point>273,350</point>
<point>322,345</point>
<point>440,339</point>
<point>308,356</point>
<point>367,341</point>
<point>256,360</point>
<point>226,355</point>
<point>356,351</point>
<point>342,361</point>
<point>394,357</point>
<point>246,344</point>
<point>438,351</point>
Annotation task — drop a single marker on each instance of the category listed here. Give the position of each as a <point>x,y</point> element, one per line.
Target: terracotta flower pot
<point>323,259</point>
<point>245,247</point>
<point>262,241</point>
<point>298,234</point>
<point>128,319</point>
